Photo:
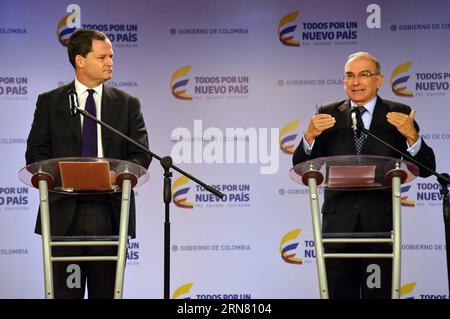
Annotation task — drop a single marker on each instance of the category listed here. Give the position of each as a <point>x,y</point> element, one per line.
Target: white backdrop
<point>215,80</point>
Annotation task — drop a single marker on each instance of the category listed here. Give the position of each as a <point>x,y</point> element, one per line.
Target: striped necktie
<point>360,137</point>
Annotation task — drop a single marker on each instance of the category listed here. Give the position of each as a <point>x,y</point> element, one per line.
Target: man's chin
<point>357,98</point>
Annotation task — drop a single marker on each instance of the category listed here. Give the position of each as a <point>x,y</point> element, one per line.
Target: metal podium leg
<point>396,221</point>
<point>123,235</point>
<point>45,227</point>
<point>314,201</point>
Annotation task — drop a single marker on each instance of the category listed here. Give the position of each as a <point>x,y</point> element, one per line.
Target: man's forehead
<point>360,63</point>
<point>101,46</point>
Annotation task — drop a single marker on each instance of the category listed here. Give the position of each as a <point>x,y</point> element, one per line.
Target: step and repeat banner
<point>227,88</point>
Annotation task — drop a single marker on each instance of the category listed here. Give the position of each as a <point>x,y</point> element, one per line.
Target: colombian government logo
<point>178,83</point>
<point>420,82</point>
<point>182,291</point>
<point>405,202</point>
<point>399,80</point>
<point>69,24</point>
<point>325,32</point>
<point>207,86</point>
<point>288,245</point>
<point>407,289</point>
<point>180,193</point>
<point>406,292</point>
<point>288,134</point>
<point>286,27</point>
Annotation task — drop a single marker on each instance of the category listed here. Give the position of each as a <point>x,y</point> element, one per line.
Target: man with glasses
<point>329,133</point>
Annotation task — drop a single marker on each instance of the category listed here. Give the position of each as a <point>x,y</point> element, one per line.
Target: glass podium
<point>355,172</point>
<point>84,175</point>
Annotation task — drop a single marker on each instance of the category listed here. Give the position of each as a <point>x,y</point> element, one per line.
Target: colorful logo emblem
<point>288,134</point>
<point>288,245</point>
<point>182,290</point>
<point>286,27</point>
<point>178,83</point>
<point>69,24</point>
<point>404,198</point>
<point>399,80</point>
<point>180,193</point>
<point>407,289</point>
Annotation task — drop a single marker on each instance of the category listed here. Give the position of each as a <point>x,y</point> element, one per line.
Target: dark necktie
<point>89,138</point>
<point>360,138</point>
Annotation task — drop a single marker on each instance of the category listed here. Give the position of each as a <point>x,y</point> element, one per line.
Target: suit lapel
<point>73,121</point>
<point>376,125</point>
<point>110,113</point>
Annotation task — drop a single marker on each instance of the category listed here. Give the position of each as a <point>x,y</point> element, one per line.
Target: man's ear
<point>380,80</point>
<point>79,61</point>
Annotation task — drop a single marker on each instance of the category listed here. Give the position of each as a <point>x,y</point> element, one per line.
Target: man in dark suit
<point>56,133</point>
<point>329,133</point>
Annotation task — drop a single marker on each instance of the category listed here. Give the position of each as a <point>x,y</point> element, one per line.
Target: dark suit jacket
<point>56,133</point>
<point>342,209</point>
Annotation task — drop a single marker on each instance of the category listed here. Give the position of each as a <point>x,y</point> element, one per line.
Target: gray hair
<point>366,55</point>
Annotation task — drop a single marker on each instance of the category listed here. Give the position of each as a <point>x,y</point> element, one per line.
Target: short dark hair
<point>80,42</point>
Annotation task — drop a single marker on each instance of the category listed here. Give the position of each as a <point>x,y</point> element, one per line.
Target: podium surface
<point>350,172</point>
<point>50,170</point>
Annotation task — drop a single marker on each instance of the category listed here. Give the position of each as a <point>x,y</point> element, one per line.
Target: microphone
<point>356,129</point>
<point>73,101</point>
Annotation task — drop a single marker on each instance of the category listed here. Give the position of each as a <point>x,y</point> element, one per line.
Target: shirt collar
<point>81,88</point>
<point>369,106</point>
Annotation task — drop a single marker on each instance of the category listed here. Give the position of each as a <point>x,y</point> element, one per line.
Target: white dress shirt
<point>82,97</point>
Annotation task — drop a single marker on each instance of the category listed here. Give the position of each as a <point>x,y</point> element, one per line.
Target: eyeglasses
<point>364,75</point>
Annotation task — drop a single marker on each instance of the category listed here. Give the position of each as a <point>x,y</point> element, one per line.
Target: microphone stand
<point>166,163</point>
<point>442,178</point>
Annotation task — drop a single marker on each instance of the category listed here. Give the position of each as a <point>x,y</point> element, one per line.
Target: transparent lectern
<point>347,173</point>
<point>84,175</point>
